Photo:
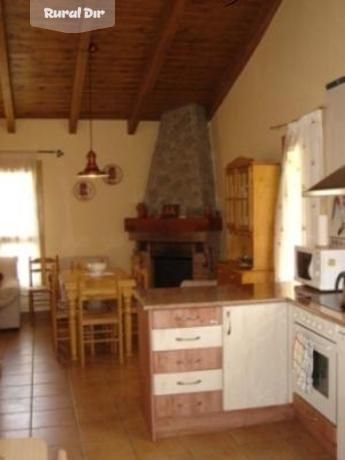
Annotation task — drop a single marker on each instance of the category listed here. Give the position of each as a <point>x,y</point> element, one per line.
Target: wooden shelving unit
<point>250,205</point>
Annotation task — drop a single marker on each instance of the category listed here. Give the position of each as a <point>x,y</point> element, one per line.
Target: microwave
<point>318,267</point>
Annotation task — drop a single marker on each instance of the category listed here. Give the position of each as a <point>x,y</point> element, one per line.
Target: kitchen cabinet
<point>184,374</point>
<point>255,355</point>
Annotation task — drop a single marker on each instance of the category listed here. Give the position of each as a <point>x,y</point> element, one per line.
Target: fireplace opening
<point>172,263</point>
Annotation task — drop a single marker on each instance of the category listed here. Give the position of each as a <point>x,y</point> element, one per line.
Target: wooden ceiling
<point>160,55</point>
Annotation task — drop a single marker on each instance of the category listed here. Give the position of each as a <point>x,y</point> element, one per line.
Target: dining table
<point>70,281</point>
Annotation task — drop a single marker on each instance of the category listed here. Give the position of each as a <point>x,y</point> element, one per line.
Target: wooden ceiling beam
<point>5,76</point>
<point>79,80</point>
<point>234,69</point>
<point>169,24</point>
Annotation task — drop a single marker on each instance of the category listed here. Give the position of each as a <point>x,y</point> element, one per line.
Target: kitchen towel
<point>303,362</point>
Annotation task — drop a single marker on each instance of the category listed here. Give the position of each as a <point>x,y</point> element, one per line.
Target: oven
<point>321,335</point>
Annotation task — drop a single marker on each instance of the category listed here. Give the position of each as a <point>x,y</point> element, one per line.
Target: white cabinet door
<point>256,356</point>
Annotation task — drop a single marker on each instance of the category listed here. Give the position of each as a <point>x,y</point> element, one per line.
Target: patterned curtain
<point>297,218</point>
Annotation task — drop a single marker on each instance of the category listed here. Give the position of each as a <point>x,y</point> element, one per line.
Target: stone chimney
<point>182,169</point>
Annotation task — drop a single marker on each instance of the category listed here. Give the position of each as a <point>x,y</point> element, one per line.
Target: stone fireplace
<point>182,174</point>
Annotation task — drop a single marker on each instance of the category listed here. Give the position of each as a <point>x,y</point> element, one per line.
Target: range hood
<point>334,182</point>
<point>331,185</point>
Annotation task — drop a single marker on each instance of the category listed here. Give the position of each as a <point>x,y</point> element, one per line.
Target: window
<point>19,228</point>
<point>297,218</point>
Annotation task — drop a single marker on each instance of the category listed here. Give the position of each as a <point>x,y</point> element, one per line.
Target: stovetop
<point>332,300</point>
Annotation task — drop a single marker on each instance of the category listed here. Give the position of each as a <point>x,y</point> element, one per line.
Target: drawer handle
<point>187,339</point>
<point>188,318</point>
<point>196,382</point>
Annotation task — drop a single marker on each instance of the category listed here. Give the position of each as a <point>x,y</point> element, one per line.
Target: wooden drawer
<point>186,317</point>
<point>187,382</point>
<point>186,338</point>
<point>187,405</point>
<point>187,360</point>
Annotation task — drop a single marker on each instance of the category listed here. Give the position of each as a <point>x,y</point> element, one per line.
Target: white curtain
<point>19,228</point>
<point>297,218</point>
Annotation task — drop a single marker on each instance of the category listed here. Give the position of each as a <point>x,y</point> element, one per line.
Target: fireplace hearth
<point>171,263</point>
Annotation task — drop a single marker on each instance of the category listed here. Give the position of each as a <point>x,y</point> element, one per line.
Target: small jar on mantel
<point>142,210</point>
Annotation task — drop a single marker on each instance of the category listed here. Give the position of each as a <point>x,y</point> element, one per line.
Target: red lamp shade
<point>92,169</point>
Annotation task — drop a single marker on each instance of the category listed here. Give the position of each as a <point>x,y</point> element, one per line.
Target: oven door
<point>323,393</point>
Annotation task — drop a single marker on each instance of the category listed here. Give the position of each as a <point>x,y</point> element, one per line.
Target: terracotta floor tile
<point>168,448</point>
<point>15,434</point>
<point>51,389</point>
<point>50,377</point>
<point>73,453</point>
<point>9,369</point>
<point>51,402</point>
<point>107,452</point>
<point>119,446</point>
<point>57,417</point>
<point>13,392</point>
<point>211,444</point>
<point>17,360</point>
<point>102,432</point>
<point>306,445</point>
<point>13,406</point>
<point>16,379</point>
<point>57,436</point>
<point>88,413</point>
<point>253,434</point>
<point>95,412</point>
<point>282,450</point>
<point>48,367</point>
<point>20,421</point>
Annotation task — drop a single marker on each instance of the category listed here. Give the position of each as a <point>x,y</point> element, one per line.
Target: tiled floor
<point>95,415</point>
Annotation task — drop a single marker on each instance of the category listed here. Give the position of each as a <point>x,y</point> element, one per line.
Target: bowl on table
<point>96,268</point>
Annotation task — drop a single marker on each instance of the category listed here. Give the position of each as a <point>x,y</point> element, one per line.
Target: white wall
<point>96,227</point>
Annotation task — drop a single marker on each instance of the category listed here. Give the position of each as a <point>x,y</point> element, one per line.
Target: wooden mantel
<point>173,226</point>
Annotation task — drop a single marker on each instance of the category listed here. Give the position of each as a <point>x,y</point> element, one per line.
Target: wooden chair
<point>141,277</point>
<point>59,314</point>
<point>38,291</point>
<point>103,325</point>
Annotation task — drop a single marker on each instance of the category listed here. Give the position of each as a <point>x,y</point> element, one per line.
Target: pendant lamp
<point>91,169</point>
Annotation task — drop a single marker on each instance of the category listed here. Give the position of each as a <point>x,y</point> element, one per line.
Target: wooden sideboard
<point>230,272</point>
<point>251,190</point>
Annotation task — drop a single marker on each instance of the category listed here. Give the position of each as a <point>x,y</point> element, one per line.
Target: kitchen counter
<point>157,299</point>
<point>188,338</point>
<point>309,299</point>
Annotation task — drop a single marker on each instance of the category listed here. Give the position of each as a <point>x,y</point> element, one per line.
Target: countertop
<point>160,298</point>
<point>237,295</point>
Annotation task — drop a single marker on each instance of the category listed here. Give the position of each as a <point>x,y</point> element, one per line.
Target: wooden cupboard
<point>251,190</point>
<point>257,337</point>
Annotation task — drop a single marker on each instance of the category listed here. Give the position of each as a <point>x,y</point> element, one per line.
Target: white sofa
<point>9,294</point>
